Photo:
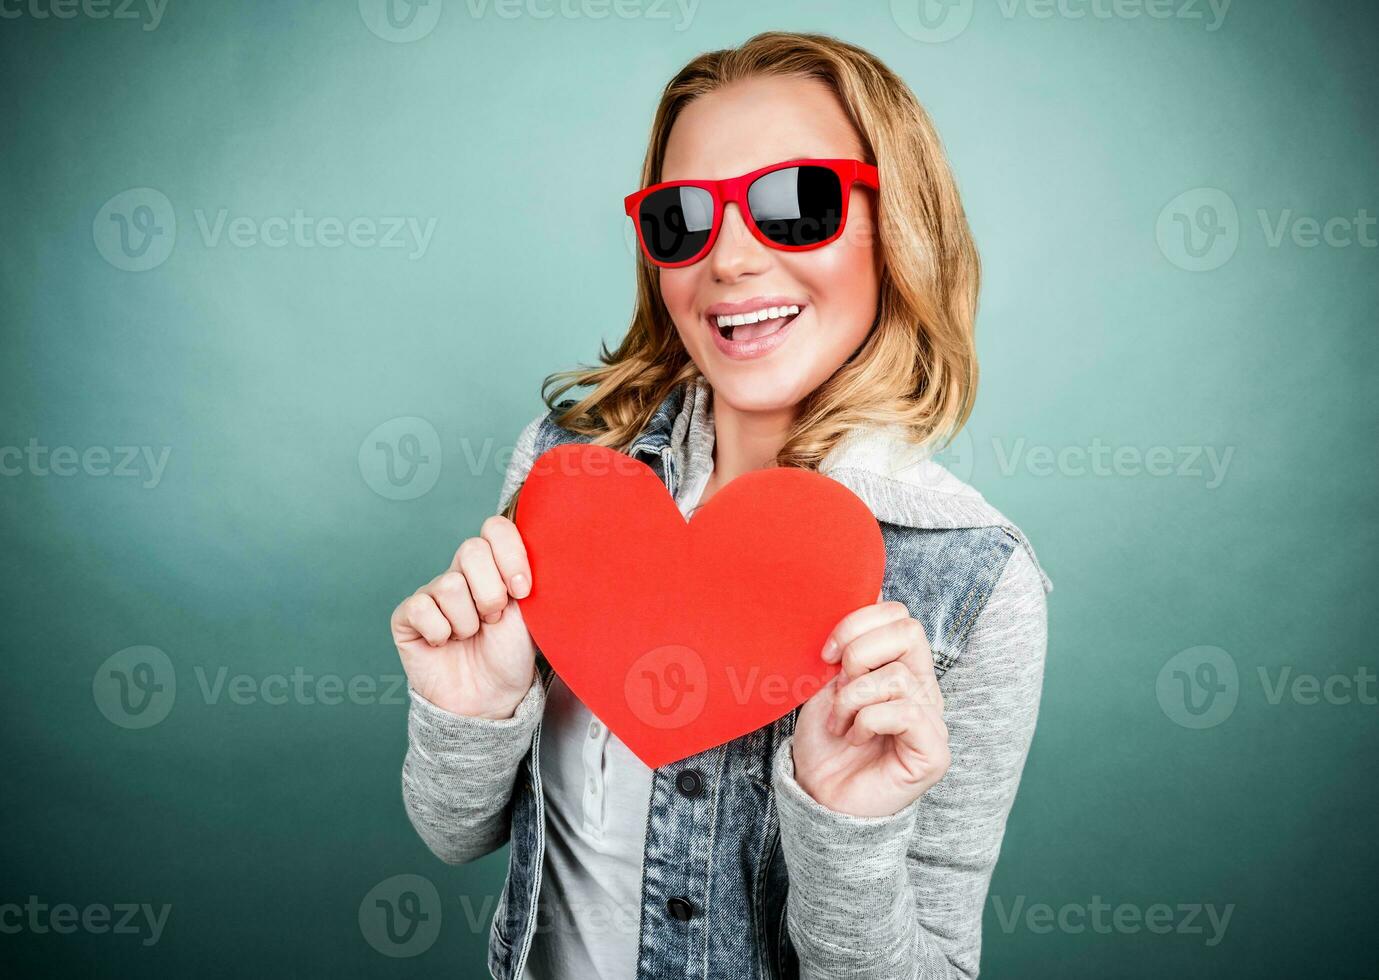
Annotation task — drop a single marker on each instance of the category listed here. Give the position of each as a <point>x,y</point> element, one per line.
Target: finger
<point>418,616</point>
<point>859,621</point>
<point>890,682</point>
<point>486,586</point>
<point>905,720</point>
<point>451,592</point>
<point>509,553</point>
<point>912,727</point>
<point>921,663</point>
<point>929,693</point>
<point>886,718</point>
<point>890,641</point>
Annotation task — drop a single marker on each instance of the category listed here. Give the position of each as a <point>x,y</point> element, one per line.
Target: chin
<point>756,389</point>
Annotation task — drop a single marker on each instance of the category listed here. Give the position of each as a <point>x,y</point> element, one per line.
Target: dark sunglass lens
<point>797,205</point>
<point>676,222</point>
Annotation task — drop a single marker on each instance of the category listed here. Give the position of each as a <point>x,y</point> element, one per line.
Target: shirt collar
<point>879,463</point>
<point>896,478</point>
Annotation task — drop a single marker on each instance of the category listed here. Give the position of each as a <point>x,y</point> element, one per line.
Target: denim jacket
<point>715,880</point>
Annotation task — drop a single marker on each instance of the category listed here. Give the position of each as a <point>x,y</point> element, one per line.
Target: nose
<point>736,254</point>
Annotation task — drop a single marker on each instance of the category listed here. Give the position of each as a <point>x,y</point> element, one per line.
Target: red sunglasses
<point>794,206</point>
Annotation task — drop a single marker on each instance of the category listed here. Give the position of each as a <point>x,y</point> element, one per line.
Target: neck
<point>746,441</point>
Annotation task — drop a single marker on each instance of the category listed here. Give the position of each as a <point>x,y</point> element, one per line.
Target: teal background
<point>263,549</point>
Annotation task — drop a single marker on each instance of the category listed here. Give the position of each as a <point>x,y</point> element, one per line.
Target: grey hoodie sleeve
<point>901,896</point>
<point>459,771</point>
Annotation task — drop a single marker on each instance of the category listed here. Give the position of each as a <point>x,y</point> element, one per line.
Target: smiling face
<point>772,364</point>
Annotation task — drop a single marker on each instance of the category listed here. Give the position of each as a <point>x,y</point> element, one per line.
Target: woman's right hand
<point>461,638</point>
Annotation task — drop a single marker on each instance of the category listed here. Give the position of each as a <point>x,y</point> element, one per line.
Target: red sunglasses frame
<point>734,189</point>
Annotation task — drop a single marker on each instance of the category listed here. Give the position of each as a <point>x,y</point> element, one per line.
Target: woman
<point>806,298</point>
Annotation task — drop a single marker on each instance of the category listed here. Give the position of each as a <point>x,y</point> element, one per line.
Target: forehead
<point>757,122</point>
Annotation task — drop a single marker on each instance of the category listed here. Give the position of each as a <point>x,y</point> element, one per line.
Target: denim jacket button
<point>681,909</point>
<point>690,782</point>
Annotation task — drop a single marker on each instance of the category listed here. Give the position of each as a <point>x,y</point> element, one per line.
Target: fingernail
<point>493,617</point>
<point>830,650</point>
<point>520,586</point>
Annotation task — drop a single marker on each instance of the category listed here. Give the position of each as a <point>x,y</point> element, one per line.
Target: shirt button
<point>680,909</point>
<point>690,782</point>
<point>594,729</point>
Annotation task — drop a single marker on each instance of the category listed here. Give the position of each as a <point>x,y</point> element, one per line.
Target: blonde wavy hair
<point>918,365</point>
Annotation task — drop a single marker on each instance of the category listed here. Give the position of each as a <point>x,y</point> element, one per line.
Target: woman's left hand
<point>872,740</point>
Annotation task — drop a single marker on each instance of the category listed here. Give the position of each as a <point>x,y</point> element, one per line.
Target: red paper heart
<point>682,636</point>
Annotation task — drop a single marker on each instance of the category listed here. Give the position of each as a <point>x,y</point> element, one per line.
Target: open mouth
<point>755,324</point>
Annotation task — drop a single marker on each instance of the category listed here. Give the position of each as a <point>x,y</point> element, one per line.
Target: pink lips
<point>748,349</point>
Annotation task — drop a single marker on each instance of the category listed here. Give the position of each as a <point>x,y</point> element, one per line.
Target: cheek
<point>678,289</point>
<point>854,257</point>
<point>842,280</point>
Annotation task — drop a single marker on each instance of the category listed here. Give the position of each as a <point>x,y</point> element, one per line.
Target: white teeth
<point>756,316</point>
